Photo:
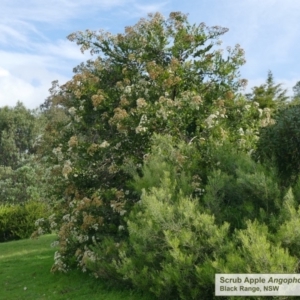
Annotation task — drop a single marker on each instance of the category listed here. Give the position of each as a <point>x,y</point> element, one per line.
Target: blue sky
<point>34,50</point>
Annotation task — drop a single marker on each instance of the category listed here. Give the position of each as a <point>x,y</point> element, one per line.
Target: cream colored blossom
<point>98,98</point>
<point>73,142</point>
<point>210,120</point>
<point>241,131</point>
<point>72,111</point>
<point>140,129</point>
<point>127,90</point>
<point>92,149</point>
<point>67,169</point>
<point>141,102</point>
<point>104,144</point>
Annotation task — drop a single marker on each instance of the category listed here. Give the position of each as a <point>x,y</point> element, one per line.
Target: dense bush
<point>172,244</point>
<point>18,221</point>
<point>280,143</point>
<point>255,251</point>
<point>239,189</point>
<point>177,243</point>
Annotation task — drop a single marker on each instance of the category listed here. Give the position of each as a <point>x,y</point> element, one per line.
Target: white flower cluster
<point>40,231</point>
<point>58,262</point>
<point>57,152</point>
<point>95,226</point>
<point>141,103</point>
<point>141,128</point>
<point>241,131</point>
<point>72,111</point>
<point>82,238</point>
<point>66,218</point>
<point>247,107</point>
<point>72,204</point>
<point>39,222</point>
<point>90,255</point>
<point>210,120</point>
<point>104,144</point>
<point>53,225</point>
<point>127,90</point>
<point>199,191</point>
<point>267,120</point>
<point>67,169</point>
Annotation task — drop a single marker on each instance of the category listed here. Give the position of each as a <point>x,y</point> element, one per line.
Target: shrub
<point>253,251</point>
<point>289,231</point>
<point>18,221</point>
<point>172,245</point>
<point>239,189</point>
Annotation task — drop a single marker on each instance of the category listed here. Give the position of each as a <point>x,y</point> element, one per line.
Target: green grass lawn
<point>25,274</point>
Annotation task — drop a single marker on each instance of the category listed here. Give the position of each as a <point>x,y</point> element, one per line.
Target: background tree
<point>296,90</point>
<point>269,95</point>
<point>280,144</point>
<point>21,174</point>
<point>18,133</point>
<point>295,100</point>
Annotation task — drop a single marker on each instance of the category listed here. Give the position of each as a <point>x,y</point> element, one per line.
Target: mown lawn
<point>25,274</point>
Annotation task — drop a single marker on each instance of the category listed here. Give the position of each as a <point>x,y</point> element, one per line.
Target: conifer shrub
<point>239,189</point>
<point>289,230</point>
<point>172,244</point>
<point>178,242</point>
<point>255,251</point>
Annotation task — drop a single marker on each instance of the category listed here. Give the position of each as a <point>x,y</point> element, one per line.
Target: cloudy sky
<point>34,50</point>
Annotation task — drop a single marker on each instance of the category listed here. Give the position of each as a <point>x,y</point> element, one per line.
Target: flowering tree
<point>160,76</point>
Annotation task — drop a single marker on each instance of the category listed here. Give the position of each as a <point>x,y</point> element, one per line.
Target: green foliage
<point>279,143</point>
<point>20,185</point>
<point>179,159</point>
<point>239,189</point>
<point>254,252</point>
<point>296,98</point>
<point>289,231</point>
<point>17,134</point>
<point>18,221</point>
<point>172,252</point>
<point>269,95</point>
<point>172,244</point>
<point>22,176</point>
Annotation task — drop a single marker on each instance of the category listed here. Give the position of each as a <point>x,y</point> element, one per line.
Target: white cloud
<point>53,11</point>
<point>31,90</point>
<point>143,9</point>
<point>3,73</point>
<point>61,49</point>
